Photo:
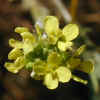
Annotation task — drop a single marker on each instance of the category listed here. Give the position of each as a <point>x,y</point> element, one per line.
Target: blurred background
<point>85,13</point>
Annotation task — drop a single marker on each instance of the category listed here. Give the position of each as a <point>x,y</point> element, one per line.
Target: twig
<point>74,6</point>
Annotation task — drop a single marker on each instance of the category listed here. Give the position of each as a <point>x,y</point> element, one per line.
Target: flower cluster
<point>48,53</point>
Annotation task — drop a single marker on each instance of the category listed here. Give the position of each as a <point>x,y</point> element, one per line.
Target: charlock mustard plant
<point>48,54</point>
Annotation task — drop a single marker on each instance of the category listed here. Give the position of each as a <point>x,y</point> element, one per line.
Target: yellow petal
<point>16,52</point>
<point>27,46</point>
<point>64,74</point>
<point>16,66</point>
<point>11,67</point>
<point>20,62</point>
<point>51,25</point>
<point>29,36</point>
<point>71,31</point>
<point>50,82</point>
<point>14,43</point>
<point>63,46</point>
<point>21,29</point>
<point>86,67</point>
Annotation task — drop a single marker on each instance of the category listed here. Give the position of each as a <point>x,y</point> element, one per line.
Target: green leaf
<point>50,82</point>
<point>71,31</point>
<point>64,74</point>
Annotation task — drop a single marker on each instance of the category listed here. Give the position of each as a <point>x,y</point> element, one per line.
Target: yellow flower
<point>45,54</point>
<point>64,45</point>
<point>28,40</point>
<point>70,32</point>
<point>61,74</point>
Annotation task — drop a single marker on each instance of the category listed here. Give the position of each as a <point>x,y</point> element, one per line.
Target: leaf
<point>80,50</point>
<point>64,74</point>
<point>71,31</point>
<point>77,79</point>
<point>15,53</point>
<point>50,82</point>
<point>21,29</point>
<point>51,25</point>
<point>86,67</point>
<point>63,46</point>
